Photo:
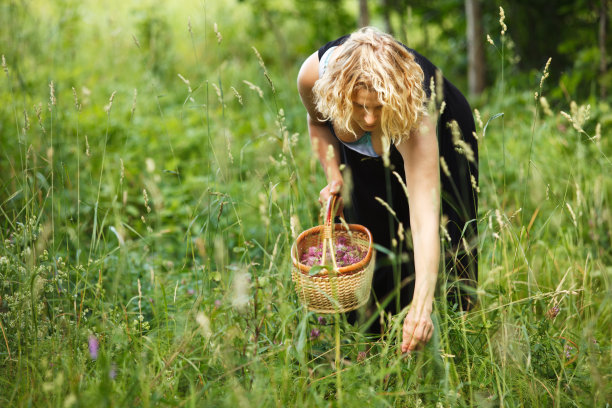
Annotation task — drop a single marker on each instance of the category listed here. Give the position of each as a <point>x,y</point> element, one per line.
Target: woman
<point>367,97</point>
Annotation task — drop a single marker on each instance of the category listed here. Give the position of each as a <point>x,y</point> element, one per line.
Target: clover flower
<point>345,254</point>
<point>93,347</point>
<point>314,333</point>
<point>552,312</point>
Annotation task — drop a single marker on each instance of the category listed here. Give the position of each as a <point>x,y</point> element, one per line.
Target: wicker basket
<point>343,289</point>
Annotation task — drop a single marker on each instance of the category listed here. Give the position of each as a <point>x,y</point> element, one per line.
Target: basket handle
<point>329,212</point>
<point>327,231</point>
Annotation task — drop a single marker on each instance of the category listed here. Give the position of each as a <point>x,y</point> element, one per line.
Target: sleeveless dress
<point>459,201</point>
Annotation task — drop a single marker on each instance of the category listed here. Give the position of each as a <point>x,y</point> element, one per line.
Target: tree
<point>475,45</point>
<point>364,13</point>
<point>603,67</point>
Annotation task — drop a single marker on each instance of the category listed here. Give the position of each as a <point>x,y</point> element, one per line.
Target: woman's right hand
<point>334,187</point>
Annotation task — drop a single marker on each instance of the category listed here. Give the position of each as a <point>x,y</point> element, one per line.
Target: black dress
<point>459,203</point>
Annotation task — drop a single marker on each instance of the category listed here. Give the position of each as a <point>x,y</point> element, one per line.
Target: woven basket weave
<point>343,289</point>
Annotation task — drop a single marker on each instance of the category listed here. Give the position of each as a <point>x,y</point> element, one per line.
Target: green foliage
<point>146,226</point>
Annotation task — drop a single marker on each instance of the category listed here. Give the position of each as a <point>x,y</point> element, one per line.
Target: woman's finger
<point>411,339</point>
<point>420,336</point>
<point>429,333</point>
<point>415,344</point>
<point>407,335</point>
<point>416,335</point>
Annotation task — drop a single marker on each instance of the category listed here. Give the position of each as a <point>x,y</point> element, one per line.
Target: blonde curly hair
<point>374,61</point>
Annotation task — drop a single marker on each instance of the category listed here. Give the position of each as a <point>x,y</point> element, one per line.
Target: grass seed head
<point>237,95</point>
<point>465,244</point>
<point>241,286</point>
<point>26,121</point>
<point>186,81</point>
<point>254,87</point>
<point>108,107</point>
<point>573,215</point>
<point>218,92</point>
<point>259,58</point>
<point>444,232</point>
<point>545,106</point>
<point>217,33</point>
<point>387,206</point>
<point>146,199</point>
<point>502,18</point>
<point>139,300</point>
<point>77,106</point>
<point>122,176</point>
<point>545,72</point>
<point>500,221</point>
<point>294,223</point>
<point>52,99</point>
<point>474,183</point>
<point>444,166</point>
<point>38,110</point>
<point>478,118</point>
<point>204,323</point>
<point>134,102</point>
<point>386,148</point>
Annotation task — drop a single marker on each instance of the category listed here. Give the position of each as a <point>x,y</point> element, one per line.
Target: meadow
<point>155,171</point>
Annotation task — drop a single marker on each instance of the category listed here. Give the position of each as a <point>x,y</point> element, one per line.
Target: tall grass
<point>147,219</point>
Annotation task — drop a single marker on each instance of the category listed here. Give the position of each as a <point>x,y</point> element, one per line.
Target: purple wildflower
<point>361,356</point>
<point>314,333</point>
<point>93,347</point>
<point>552,312</point>
<point>322,320</point>
<point>190,291</point>
<point>217,303</point>
<point>345,254</point>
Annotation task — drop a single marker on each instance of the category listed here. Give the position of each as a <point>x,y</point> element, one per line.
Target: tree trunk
<point>386,9</point>
<point>603,66</point>
<point>475,44</point>
<point>364,13</point>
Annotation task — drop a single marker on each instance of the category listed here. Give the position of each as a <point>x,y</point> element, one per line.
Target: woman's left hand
<point>417,329</point>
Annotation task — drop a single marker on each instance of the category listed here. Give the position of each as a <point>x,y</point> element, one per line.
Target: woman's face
<point>367,110</point>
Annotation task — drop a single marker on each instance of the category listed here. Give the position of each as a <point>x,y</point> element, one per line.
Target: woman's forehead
<point>366,97</point>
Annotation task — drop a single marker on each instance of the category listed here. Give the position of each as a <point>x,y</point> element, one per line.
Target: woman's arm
<point>320,134</point>
<point>421,164</point>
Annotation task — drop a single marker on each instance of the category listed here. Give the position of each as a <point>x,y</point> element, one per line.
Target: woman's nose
<point>369,118</point>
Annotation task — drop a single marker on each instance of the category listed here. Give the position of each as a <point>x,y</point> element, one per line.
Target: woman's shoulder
<point>309,72</point>
<point>333,43</point>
